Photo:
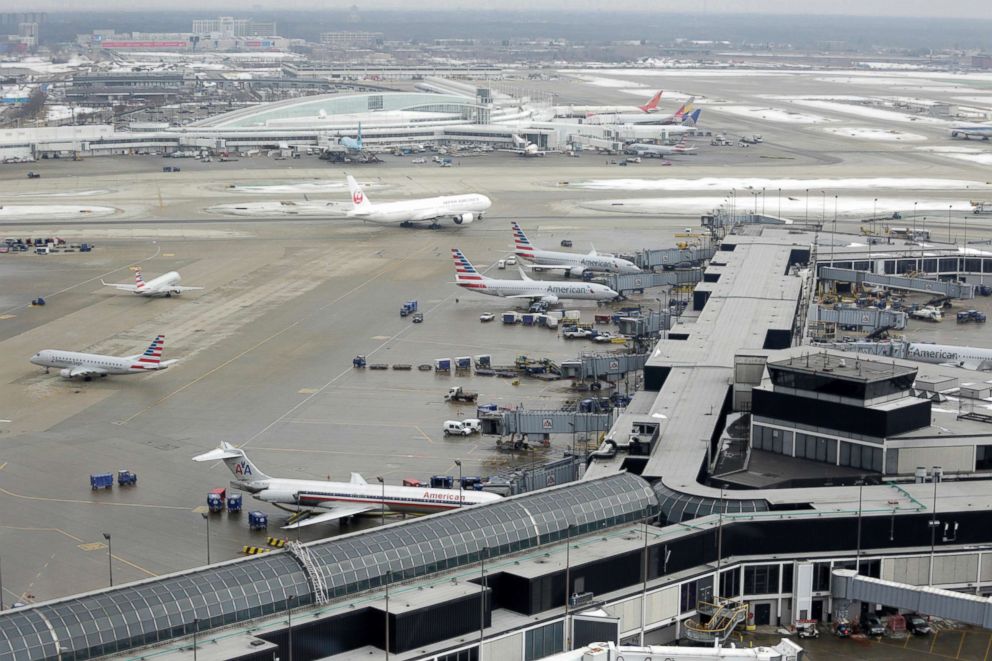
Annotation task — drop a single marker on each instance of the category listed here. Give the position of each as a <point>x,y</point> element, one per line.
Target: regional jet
<point>461,209</point>
<point>570,263</point>
<point>330,501</point>
<point>85,366</point>
<point>549,292</point>
<point>164,285</point>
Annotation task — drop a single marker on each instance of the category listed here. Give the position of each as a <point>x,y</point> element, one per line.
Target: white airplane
<point>524,147</point>
<point>85,366</point>
<point>164,285</point>
<point>970,358</point>
<point>967,131</point>
<point>461,209</point>
<point>571,263</point>
<point>336,500</point>
<point>534,290</point>
<point>659,151</point>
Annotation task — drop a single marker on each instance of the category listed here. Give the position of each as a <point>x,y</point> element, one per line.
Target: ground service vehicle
<point>33,175</point>
<point>486,316</point>
<point>258,520</point>
<point>871,625</point>
<point>126,478</point>
<point>418,317</point>
<point>918,625</point>
<point>573,332</point>
<point>455,428</point>
<point>459,394</point>
<point>807,630</point>
<point>102,481</point>
<point>216,499</point>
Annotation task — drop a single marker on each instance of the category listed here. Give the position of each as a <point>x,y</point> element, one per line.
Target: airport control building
<point>754,480</point>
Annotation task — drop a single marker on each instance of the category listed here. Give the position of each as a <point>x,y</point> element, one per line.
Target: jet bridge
<point>638,282</point>
<point>848,585</point>
<point>668,258</point>
<point>925,285</point>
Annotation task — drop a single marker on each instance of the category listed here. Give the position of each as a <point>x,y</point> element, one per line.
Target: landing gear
<point>87,378</point>
<point>406,223</point>
<point>435,226</point>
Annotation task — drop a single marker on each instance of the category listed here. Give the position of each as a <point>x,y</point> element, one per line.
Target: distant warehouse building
<point>346,40</point>
<point>120,86</point>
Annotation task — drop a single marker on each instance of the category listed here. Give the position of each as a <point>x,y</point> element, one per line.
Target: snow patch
<point>756,183</point>
<point>873,113</point>
<point>52,211</point>
<point>791,208</point>
<point>864,133</point>
<point>772,114</point>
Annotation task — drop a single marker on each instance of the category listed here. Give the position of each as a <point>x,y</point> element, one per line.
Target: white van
<point>456,428</point>
<point>501,264</point>
<point>473,425</point>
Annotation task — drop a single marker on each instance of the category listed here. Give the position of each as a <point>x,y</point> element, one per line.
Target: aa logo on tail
<point>242,469</point>
<point>357,197</point>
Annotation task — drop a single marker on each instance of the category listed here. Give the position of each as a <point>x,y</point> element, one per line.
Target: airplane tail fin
<point>358,199</point>
<point>152,357</point>
<point>465,274</point>
<point>237,462</point>
<point>521,243</point>
<point>694,117</point>
<point>685,110</point>
<point>139,282</point>
<point>652,104</point>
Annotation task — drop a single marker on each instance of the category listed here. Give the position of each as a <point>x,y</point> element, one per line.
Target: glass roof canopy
<point>153,611</point>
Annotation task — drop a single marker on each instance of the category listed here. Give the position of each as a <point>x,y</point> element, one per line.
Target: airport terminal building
<point>741,486</point>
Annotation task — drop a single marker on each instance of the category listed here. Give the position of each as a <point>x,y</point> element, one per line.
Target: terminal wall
<point>953,459</point>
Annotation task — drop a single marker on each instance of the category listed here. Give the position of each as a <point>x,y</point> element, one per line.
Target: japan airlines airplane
<point>534,290</point>
<point>571,263</point>
<point>85,366</point>
<point>336,500</point>
<point>967,131</point>
<point>164,285</point>
<point>461,209</point>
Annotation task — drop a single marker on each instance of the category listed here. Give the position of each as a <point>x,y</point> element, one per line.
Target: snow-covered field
<point>772,114</point>
<point>970,154</point>
<point>272,209</point>
<point>864,133</point>
<point>756,183</point>
<point>872,113</point>
<point>794,208</point>
<point>52,211</point>
<point>57,113</point>
<point>316,186</point>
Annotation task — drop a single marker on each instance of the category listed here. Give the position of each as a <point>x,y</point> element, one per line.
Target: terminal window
<point>375,102</point>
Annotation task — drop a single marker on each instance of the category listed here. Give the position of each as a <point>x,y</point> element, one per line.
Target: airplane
<point>85,366</point>
<point>572,264</point>
<point>353,144</point>
<point>461,209</point>
<point>659,151</point>
<point>967,131</point>
<point>548,292</point>
<point>524,147</point>
<point>652,104</point>
<point>336,500</point>
<point>680,116</point>
<point>970,358</point>
<point>164,285</point>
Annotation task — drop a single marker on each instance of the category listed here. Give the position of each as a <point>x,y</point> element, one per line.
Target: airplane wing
<point>429,214</point>
<point>976,364</point>
<point>86,370</point>
<point>182,289</point>
<point>120,287</point>
<point>336,512</point>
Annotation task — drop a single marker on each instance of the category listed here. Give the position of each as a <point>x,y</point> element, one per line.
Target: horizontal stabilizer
<point>225,451</point>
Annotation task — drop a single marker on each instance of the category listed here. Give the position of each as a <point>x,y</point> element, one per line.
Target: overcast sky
<point>978,9</point>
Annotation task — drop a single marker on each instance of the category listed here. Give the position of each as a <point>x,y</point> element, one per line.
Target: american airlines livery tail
<point>651,105</point>
<point>329,501</point>
<point>85,366</point>
<point>570,263</point>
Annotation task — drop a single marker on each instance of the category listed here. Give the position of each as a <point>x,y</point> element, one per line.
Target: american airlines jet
<point>85,366</point>
<point>534,290</point>
<point>571,263</point>
<point>329,501</point>
<point>461,209</point>
<point>659,151</point>
<point>970,358</point>
<point>968,131</point>
<point>164,285</point>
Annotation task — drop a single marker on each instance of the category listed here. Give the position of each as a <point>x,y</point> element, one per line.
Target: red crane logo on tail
<point>357,197</point>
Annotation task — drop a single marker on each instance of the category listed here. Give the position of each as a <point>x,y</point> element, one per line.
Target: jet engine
<point>66,373</point>
<point>463,219</point>
<point>576,271</point>
<point>176,292</point>
<point>550,299</point>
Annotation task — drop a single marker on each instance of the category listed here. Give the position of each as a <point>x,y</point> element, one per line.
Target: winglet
<point>358,480</point>
<point>523,276</point>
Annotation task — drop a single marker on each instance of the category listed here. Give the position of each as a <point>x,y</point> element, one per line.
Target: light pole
<point>933,520</point>
<point>196,622</point>
<point>206,517</point>
<point>289,615</point>
<point>110,557</point>
<point>914,220</point>
<point>779,202</point>
<point>568,581</point>
<point>949,206</point>
<point>382,482</point>
<point>644,587</point>
<point>389,575</point>
<point>458,462</point>
<point>719,547</point>
<point>482,601</point>
<point>857,561</point>
<point>1,583</point>
<point>874,215</point>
